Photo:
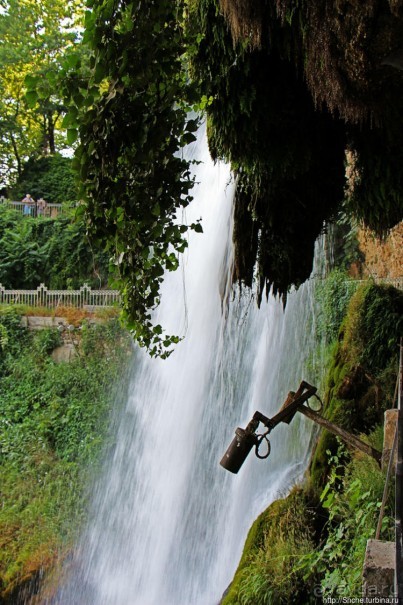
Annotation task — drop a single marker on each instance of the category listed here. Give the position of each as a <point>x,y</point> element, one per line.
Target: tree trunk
<point>17,155</point>
<point>51,133</point>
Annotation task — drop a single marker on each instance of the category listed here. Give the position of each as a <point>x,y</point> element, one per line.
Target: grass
<point>74,315</point>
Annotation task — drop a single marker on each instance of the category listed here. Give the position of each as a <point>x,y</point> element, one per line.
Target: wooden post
<point>336,430</point>
<point>294,403</point>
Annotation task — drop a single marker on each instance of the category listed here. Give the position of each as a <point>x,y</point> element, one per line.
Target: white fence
<point>42,297</point>
<point>87,297</point>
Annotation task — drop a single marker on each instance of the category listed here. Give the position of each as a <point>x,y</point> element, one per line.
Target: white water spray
<point>168,523</point>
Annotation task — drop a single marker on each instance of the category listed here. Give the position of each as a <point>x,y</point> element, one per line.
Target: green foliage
<point>352,498</point>
<point>269,572</point>
<point>72,260</point>
<point>333,295</point>
<point>363,366</point>
<point>132,124</point>
<point>55,252</point>
<point>21,257</point>
<point>372,328</point>
<point>34,36</point>
<point>49,177</point>
<point>46,341</point>
<point>345,245</point>
<point>379,327</point>
<point>54,423</point>
<point>13,337</point>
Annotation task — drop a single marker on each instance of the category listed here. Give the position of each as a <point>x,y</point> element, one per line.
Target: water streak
<point>168,523</point>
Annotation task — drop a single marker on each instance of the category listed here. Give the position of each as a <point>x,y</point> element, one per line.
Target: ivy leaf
<point>156,210</point>
<point>187,138</point>
<point>31,82</point>
<point>72,135</point>
<point>31,98</point>
<point>192,125</point>
<point>70,119</point>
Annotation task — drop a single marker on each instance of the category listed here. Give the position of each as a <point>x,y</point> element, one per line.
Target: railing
<point>397,282</point>
<point>42,297</point>
<point>50,211</point>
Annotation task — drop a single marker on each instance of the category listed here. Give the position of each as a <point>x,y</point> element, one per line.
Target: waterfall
<point>167,523</point>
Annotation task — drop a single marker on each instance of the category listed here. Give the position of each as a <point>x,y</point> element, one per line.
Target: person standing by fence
<point>41,206</point>
<point>29,205</point>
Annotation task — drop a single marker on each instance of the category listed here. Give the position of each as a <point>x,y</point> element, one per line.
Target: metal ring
<point>320,403</point>
<point>267,454</point>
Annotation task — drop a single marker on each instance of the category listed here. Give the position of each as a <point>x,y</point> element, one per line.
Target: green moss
<point>363,369</point>
<point>253,543</point>
<point>267,573</point>
<point>285,104</point>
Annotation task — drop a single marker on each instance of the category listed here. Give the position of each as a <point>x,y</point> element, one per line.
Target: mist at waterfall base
<point>167,523</point>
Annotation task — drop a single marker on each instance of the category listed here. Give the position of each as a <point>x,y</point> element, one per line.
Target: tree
<point>33,38</point>
<point>132,123</point>
<point>50,177</point>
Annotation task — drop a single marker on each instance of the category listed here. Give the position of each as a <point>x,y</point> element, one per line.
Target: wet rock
<point>355,384</point>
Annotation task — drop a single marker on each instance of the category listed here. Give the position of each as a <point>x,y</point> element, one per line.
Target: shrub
<point>55,252</point>
<point>53,425</point>
<point>50,177</point>
<point>352,498</point>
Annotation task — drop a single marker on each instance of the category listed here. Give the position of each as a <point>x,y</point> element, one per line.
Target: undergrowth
<point>53,425</point>
<point>311,545</point>
<point>352,498</point>
<point>305,548</point>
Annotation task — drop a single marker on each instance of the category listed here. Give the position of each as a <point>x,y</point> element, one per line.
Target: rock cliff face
<point>383,258</point>
<point>291,87</point>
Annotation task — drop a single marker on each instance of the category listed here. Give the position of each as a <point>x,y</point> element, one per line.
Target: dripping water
<point>167,522</point>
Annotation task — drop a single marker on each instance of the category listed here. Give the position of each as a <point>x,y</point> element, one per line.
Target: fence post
<point>85,295</point>
<point>41,296</point>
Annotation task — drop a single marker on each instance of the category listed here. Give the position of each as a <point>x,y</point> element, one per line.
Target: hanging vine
<point>283,102</point>
<point>132,124</point>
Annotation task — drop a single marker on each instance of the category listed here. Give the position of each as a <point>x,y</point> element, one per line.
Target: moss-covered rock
<point>285,103</point>
<point>361,376</point>
<point>315,538</point>
<point>267,573</point>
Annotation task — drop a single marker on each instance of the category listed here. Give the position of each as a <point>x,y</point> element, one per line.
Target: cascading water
<point>168,523</point>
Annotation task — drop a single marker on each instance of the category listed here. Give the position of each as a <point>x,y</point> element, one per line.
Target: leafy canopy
<point>50,177</point>
<point>33,38</point>
<point>132,123</point>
